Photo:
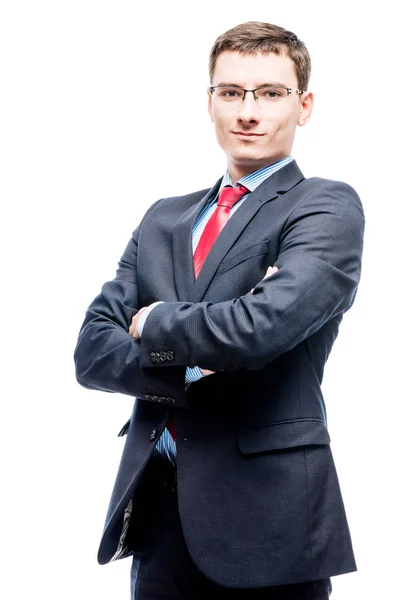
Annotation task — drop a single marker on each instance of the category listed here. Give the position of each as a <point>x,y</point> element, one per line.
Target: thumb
<point>270,271</point>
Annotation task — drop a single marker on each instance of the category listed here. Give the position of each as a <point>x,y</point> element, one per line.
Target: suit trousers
<point>164,568</point>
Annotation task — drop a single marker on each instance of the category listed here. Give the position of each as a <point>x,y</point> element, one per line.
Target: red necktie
<point>227,198</point>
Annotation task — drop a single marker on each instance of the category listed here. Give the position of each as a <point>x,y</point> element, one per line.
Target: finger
<point>133,324</point>
<point>133,331</point>
<point>270,271</point>
<point>207,372</point>
<point>136,316</point>
<point>139,312</point>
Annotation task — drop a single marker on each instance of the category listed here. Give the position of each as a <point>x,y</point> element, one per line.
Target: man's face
<point>254,135</point>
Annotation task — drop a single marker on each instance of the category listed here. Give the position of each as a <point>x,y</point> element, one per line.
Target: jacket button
<point>153,435</point>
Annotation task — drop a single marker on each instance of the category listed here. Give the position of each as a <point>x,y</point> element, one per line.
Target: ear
<point>210,106</point>
<point>307,104</point>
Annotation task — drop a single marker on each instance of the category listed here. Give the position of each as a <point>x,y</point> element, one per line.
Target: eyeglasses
<point>264,95</point>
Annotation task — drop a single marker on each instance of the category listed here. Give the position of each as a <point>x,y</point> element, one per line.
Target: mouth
<point>248,135</point>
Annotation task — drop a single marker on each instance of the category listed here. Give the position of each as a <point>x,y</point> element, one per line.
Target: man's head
<point>256,130</point>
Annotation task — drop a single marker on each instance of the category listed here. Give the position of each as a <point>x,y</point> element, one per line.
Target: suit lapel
<point>278,183</point>
<point>182,244</point>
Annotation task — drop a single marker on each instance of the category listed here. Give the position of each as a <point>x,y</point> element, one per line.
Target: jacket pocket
<point>258,249</point>
<point>283,435</point>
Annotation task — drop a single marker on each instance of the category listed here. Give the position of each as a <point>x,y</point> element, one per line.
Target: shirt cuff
<point>193,374</point>
<point>144,315</point>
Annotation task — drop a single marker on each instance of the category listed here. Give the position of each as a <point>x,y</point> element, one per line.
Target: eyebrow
<point>236,85</point>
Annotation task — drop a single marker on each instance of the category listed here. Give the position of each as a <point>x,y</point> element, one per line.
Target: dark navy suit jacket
<point>259,498</point>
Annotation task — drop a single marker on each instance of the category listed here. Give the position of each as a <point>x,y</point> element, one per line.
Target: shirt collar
<point>254,179</point>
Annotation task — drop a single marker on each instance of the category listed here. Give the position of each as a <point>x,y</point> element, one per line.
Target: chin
<point>248,160</point>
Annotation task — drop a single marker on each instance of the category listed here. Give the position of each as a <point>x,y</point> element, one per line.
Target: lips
<point>248,134</point>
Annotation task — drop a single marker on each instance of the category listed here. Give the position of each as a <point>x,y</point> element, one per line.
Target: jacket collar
<point>188,287</point>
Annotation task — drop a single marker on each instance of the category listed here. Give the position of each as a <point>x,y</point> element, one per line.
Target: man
<point>221,317</point>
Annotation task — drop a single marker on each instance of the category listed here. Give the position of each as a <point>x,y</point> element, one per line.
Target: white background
<point>89,139</point>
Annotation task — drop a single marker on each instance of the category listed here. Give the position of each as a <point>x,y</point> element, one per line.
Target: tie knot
<point>229,195</point>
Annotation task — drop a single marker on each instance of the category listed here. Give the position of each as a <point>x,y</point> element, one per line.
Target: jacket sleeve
<point>107,356</point>
<point>319,263</point>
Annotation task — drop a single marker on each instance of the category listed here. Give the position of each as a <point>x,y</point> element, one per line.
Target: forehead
<point>250,70</point>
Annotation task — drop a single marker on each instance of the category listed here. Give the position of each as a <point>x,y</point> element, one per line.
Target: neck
<point>236,172</point>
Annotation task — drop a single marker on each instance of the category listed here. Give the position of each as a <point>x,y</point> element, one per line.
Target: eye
<point>269,93</point>
<point>228,93</point>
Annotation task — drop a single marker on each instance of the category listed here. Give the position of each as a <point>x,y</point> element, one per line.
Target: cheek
<point>221,118</point>
<point>221,123</point>
<point>280,126</point>
<point>272,126</point>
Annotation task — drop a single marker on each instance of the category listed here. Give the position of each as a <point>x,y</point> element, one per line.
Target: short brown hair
<point>255,36</point>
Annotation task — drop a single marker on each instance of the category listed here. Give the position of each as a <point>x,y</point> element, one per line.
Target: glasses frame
<point>289,91</point>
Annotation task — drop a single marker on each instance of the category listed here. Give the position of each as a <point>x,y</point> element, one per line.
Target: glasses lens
<point>270,94</point>
<point>228,94</point>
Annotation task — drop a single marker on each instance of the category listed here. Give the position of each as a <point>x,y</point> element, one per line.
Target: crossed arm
<point>134,326</point>
<point>319,266</point>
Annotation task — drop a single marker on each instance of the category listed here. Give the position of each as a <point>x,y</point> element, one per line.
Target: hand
<point>207,372</point>
<point>270,271</point>
<point>134,323</point>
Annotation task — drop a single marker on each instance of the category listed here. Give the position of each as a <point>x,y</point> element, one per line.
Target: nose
<point>249,111</point>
